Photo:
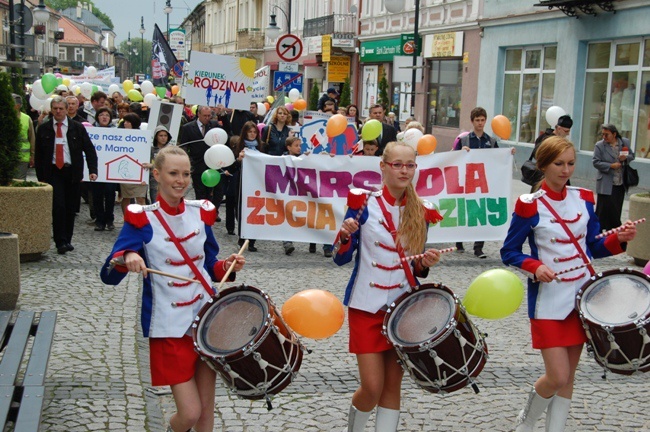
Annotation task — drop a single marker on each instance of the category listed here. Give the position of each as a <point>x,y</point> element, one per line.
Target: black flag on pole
<point>162,58</point>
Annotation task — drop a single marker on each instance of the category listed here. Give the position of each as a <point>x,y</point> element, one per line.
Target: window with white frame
<point>617,91</point>
<point>63,53</point>
<point>528,89</point>
<point>79,54</point>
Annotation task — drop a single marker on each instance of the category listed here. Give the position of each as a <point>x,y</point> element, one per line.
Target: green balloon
<point>161,92</point>
<point>49,82</point>
<point>494,294</point>
<point>94,90</point>
<point>134,95</point>
<point>210,177</point>
<point>371,130</point>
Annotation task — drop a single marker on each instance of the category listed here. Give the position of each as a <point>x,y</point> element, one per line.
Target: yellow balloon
<point>127,85</point>
<point>494,294</point>
<point>66,82</point>
<point>313,313</point>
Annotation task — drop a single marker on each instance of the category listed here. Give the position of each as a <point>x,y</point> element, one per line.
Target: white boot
<point>558,412</point>
<point>387,420</point>
<point>532,412</point>
<point>357,419</point>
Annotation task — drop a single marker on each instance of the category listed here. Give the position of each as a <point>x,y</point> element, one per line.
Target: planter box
<point>27,212</point>
<point>639,248</point>
<point>10,271</point>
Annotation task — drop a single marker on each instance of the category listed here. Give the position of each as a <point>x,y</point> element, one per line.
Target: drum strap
<point>183,252</point>
<point>390,226</point>
<point>573,239</point>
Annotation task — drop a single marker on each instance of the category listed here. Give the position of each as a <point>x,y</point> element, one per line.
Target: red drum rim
<point>599,293</point>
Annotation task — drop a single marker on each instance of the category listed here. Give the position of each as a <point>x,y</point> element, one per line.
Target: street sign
<point>289,47</point>
<point>285,81</point>
<point>287,67</point>
<point>177,70</point>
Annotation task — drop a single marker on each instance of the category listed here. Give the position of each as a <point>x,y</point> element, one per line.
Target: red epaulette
<point>357,198</point>
<point>208,213</point>
<point>587,195</point>
<point>526,209</point>
<point>136,216</point>
<point>431,213</point>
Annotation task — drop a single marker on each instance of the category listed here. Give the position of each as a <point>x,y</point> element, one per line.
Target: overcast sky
<point>126,14</point>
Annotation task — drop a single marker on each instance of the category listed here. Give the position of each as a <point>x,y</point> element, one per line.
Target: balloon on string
<point>127,85</point>
<point>268,106</point>
<point>261,108</point>
<point>458,138</point>
<point>59,80</point>
<point>94,90</point>
<point>218,156</point>
<point>215,136</point>
<point>168,94</point>
<point>92,71</point>
<point>400,136</point>
<point>210,177</point>
<point>58,75</point>
<point>66,82</point>
<point>134,95</point>
<point>72,82</point>
<point>149,99</point>
<point>75,89</point>
<point>38,91</point>
<point>313,313</point>
<point>371,130</point>
<point>62,87</point>
<point>289,106</point>
<point>112,89</point>
<point>175,89</point>
<point>412,136</point>
<point>144,126</point>
<point>501,126</point>
<point>49,83</point>
<point>300,104</point>
<point>260,127</point>
<point>270,99</point>
<point>294,95</point>
<point>87,125</point>
<point>286,100</point>
<point>86,90</point>
<point>146,87</point>
<point>336,125</point>
<point>646,269</point>
<point>427,145</point>
<point>494,294</point>
<point>194,108</point>
<point>161,92</point>
<point>35,102</point>
<point>553,114</point>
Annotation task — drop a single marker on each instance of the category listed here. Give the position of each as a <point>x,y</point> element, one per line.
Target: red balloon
<point>313,313</point>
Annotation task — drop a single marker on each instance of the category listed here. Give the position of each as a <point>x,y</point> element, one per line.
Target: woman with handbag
<point>611,154</point>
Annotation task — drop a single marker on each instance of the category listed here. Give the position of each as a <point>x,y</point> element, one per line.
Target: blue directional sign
<point>285,81</point>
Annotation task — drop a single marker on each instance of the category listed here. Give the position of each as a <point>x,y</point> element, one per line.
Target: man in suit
<point>191,138</point>
<point>388,132</point>
<point>61,144</point>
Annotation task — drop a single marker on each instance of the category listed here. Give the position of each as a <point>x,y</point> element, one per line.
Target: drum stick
<point>615,230</point>
<point>232,266</point>
<point>356,219</point>
<point>161,273</point>
<point>561,272</point>
<point>412,257</point>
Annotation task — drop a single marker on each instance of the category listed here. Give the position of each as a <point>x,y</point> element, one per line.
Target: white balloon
<point>149,99</point>
<point>394,6</point>
<point>144,126</point>
<point>74,89</point>
<point>86,90</point>
<point>412,136</point>
<point>294,95</point>
<point>146,87</point>
<point>261,109</point>
<point>38,91</point>
<point>92,71</point>
<point>47,105</point>
<point>62,87</point>
<point>72,83</point>
<point>400,136</point>
<point>112,89</point>
<point>215,136</point>
<point>35,102</point>
<point>137,87</point>
<point>553,114</point>
<point>218,156</point>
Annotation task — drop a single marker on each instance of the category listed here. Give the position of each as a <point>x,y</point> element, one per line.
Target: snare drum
<point>614,307</point>
<point>435,340</point>
<point>241,335</point>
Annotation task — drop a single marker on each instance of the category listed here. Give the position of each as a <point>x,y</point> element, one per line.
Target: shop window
<point>529,86</point>
<point>445,83</point>
<point>617,91</point>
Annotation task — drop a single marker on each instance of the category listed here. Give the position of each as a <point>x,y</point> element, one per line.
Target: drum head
<point>421,317</point>
<point>616,299</point>
<point>232,322</point>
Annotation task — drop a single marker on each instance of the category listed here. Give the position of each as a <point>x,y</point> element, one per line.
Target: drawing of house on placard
<point>124,169</point>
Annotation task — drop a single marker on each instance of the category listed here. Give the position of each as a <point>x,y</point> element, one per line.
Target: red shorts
<point>172,360</point>
<point>549,333</point>
<point>365,332</point>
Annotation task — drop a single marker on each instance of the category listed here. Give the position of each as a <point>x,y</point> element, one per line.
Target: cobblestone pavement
<point>98,376</point>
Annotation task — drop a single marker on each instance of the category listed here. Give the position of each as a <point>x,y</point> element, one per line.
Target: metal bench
<point>23,366</point>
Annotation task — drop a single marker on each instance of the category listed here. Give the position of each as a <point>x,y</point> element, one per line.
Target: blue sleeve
<point>345,254</point>
<point>521,228</point>
<point>211,249</point>
<point>130,239</point>
<point>596,246</point>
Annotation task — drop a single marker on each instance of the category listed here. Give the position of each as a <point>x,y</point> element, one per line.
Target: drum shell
<point>265,342</point>
<point>627,335</point>
<point>445,344</point>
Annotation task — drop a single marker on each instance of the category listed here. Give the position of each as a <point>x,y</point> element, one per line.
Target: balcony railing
<point>331,24</point>
<point>250,39</point>
<point>51,60</point>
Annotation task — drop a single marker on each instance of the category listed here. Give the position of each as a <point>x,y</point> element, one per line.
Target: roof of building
<point>87,18</point>
<point>72,35</point>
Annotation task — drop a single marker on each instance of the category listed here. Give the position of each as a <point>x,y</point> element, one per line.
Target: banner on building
<point>304,198</point>
<point>338,69</point>
<point>120,155</point>
<point>162,59</point>
<point>369,89</point>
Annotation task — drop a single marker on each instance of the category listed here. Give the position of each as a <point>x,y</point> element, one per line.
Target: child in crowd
<point>369,148</point>
<point>293,149</point>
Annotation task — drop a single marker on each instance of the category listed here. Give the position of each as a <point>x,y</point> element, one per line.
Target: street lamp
<point>273,31</point>
<point>135,53</point>
<point>142,30</point>
<point>42,16</point>
<point>128,50</point>
<point>168,9</point>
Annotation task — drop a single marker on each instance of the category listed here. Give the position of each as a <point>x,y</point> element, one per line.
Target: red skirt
<point>365,332</point>
<point>172,360</point>
<point>548,333</point>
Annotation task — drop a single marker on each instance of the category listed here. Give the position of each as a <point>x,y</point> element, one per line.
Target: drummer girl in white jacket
<point>555,325</point>
<point>392,224</point>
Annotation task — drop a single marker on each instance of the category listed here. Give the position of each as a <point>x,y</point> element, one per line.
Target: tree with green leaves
<point>314,95</point>
<point>345,93</point>
<point>383,92</point>
<point>60,5</point>
<point>9,145</point>
<point>136,60</point>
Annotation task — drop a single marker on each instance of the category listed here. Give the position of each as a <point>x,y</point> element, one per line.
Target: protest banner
<point>314,139</point>
<point>120,154</point>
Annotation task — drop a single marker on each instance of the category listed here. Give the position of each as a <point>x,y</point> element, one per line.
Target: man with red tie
<point>60,147</point>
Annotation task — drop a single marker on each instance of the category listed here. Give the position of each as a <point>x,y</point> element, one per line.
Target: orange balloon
<point>427,144</point>
<point>268,106</point>
<point>175,89</point>
<point>313,313</point>
<point>300,104</point>
<point>501,126</point>
<point>336,125</point>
